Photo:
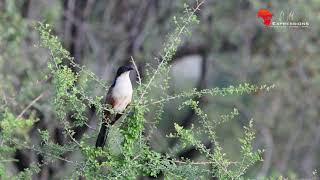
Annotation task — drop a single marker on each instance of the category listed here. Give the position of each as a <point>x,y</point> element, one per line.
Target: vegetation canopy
<point>68,89</point>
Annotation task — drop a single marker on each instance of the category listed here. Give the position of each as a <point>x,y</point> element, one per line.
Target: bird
<point>118,97</point>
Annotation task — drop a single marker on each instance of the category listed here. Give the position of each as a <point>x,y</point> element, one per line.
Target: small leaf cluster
<point>223,168</point>
<point>132,128</point>
<point>13,136</point>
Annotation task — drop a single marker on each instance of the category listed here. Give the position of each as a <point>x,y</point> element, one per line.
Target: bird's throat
<point>122,92</point>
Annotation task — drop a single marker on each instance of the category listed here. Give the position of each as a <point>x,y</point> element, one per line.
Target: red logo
<point>265,15</point>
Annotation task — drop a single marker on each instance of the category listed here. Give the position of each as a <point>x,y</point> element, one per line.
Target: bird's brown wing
<point>102,136</point>
<point>113,103</point>
<point>109,119</point>
<point>109,101</point>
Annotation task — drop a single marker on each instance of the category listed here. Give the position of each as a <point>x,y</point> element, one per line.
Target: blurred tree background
<point>229,46</point>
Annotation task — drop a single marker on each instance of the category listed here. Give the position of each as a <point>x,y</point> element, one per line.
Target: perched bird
<point>119,97</point>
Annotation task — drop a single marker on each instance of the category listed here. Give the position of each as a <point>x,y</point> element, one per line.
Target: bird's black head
<point>124,69</point>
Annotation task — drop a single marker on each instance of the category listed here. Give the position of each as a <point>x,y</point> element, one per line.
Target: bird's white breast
<point>122,92</point>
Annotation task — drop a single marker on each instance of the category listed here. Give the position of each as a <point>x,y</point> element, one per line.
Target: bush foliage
<point>134,157</point>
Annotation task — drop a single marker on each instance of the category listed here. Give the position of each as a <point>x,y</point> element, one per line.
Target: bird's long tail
<point>102,137</point>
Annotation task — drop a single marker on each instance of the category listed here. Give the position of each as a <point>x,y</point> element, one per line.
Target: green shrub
<point>136,157</point>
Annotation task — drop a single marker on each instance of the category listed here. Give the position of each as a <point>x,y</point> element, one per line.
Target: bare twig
<point>199,163</point>
<point>138,73</point>
<point>197,8</point>
<point>48,154</point>
<point>162,62</point>
<point>32,103</point>
<point>9,160</point>
<point>90,127</point>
